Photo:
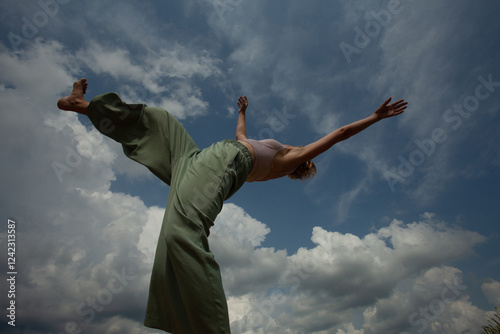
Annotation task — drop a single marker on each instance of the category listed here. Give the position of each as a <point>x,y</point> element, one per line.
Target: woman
<point>295,162</point>
<point>186,293</point>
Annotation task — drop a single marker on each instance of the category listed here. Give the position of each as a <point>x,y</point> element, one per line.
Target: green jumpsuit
<point>186,294</point>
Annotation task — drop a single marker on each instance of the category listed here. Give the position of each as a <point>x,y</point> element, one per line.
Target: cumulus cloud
<point>84,251</point>
<point>491,290</point>
<point>114,62</point>
<point>235,240</point>
<point>349,329</point>
<point>436,302</point>
<point>66,255</point>
<point>319,289</point>
<point>162,78</point>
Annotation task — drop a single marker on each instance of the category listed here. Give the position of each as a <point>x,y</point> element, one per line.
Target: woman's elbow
<point>343,133</point>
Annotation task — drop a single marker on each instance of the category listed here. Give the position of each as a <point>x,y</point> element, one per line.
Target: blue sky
<point>398,231</point>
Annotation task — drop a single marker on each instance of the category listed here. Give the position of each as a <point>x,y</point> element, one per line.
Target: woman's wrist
<point>375,117</point>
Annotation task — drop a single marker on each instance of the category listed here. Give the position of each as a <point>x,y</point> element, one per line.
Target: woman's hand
<point>242,103</point>
<point>387,110</point>
<point>241,129</point>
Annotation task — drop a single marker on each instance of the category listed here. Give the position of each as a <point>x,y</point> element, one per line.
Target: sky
<point>398,231</point>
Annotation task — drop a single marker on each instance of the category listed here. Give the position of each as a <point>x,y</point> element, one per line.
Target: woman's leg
<point>150,136</point>
<point>186,292</point>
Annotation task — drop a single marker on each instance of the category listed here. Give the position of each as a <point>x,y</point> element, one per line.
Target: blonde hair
<point>304,171</point>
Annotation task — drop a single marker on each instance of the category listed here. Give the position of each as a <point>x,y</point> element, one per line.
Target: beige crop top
<point>265,150</point>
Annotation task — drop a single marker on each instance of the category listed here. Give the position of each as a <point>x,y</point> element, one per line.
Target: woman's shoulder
<point>288,158</point>
<point>293,152</point>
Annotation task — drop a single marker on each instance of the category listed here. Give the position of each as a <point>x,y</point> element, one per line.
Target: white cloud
<point>349,329</point>
<point>149,236</point>
<point>184,101</point>
<point>436,302</point>
<point>491,290</point>
<point>235,240</point>
<point>78,233</point>
<point>159,79</point>
<point>54,70</point>
<point>234,222</point>
<point>181,62</point>
<point>115,62</point>
<point>318,289</point>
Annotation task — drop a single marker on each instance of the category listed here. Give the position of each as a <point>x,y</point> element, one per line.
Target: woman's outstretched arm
<point>312,150</point>
<point>241,130</point>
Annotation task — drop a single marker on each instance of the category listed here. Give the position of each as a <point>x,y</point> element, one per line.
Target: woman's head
<point>304,171</point>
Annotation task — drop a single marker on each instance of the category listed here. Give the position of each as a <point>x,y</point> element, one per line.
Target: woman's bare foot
<point>75,101</point>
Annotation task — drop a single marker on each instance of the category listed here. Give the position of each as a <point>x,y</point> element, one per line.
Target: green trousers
<point>186,293</point>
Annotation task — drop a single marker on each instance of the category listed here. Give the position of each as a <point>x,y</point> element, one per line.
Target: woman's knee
<point>182,235</point>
